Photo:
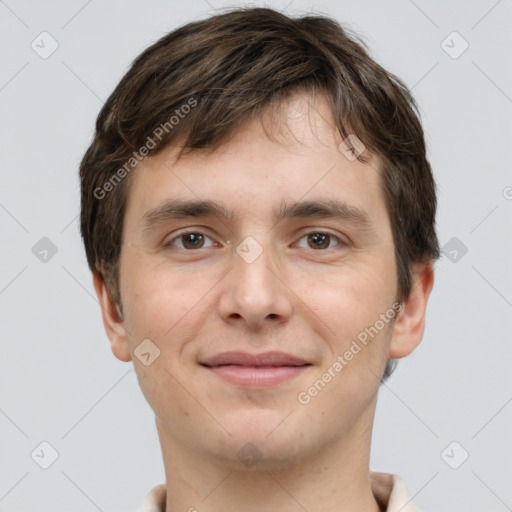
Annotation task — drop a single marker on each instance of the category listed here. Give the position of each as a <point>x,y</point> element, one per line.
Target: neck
<point>334,477</point>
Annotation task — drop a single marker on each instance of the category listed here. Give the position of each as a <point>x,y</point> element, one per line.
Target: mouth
<point>255,370</point>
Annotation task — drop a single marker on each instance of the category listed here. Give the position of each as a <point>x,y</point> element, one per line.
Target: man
<point>259,216</point>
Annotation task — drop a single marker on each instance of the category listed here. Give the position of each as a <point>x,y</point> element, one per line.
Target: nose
<point>254,292</point>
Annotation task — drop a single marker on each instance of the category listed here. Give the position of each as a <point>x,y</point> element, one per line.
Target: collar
<point>389,490</point>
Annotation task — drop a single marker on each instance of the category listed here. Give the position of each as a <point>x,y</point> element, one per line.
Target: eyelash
<point>169,244</point>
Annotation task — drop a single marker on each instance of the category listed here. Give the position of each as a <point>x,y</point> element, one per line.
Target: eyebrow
<point>327,209</point>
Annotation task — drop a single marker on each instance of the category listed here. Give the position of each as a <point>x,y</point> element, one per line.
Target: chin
<point>258,454</point>
<point>259,424</point>
<point>266,434</point>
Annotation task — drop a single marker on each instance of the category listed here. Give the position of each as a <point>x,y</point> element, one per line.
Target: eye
<point>193,240</point>
<point>190,240</point>
<point>320,240</point>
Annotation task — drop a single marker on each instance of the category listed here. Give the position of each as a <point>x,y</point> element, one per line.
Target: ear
<point>410,323</point>
<point>112,320</point>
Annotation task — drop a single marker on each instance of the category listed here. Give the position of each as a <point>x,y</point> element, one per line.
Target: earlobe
<point>410,323</point>
<point>112,320</point>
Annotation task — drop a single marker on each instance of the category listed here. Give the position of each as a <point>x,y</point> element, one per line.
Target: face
<point>276,275</point>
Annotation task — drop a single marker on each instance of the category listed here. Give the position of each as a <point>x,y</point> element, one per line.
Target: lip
<point>255,370</point>
<point>256,376</point>
<point>245,359</point>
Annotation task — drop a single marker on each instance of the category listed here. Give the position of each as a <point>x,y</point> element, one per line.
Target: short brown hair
<point>232,65</point>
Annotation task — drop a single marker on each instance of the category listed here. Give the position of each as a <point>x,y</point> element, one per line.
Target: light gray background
<point>60,383</point>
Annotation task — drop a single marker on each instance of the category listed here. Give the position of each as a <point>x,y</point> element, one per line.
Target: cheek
<point>159,300</point>
<point>347,316</point>
<point>347,300</point>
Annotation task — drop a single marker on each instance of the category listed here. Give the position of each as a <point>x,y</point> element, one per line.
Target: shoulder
<point>391,493</point>
<point>154,500</point>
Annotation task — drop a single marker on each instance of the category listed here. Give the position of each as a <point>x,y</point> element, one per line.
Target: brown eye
<point>188,241</point>
<point>319,240</point>
<point>192,240</point>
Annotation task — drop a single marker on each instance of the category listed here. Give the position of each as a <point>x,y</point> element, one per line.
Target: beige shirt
<point>389,490</point>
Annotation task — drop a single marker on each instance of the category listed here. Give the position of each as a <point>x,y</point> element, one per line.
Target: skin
<point>295,297</point>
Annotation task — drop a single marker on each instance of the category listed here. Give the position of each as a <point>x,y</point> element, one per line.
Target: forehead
<point>288,153</point>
